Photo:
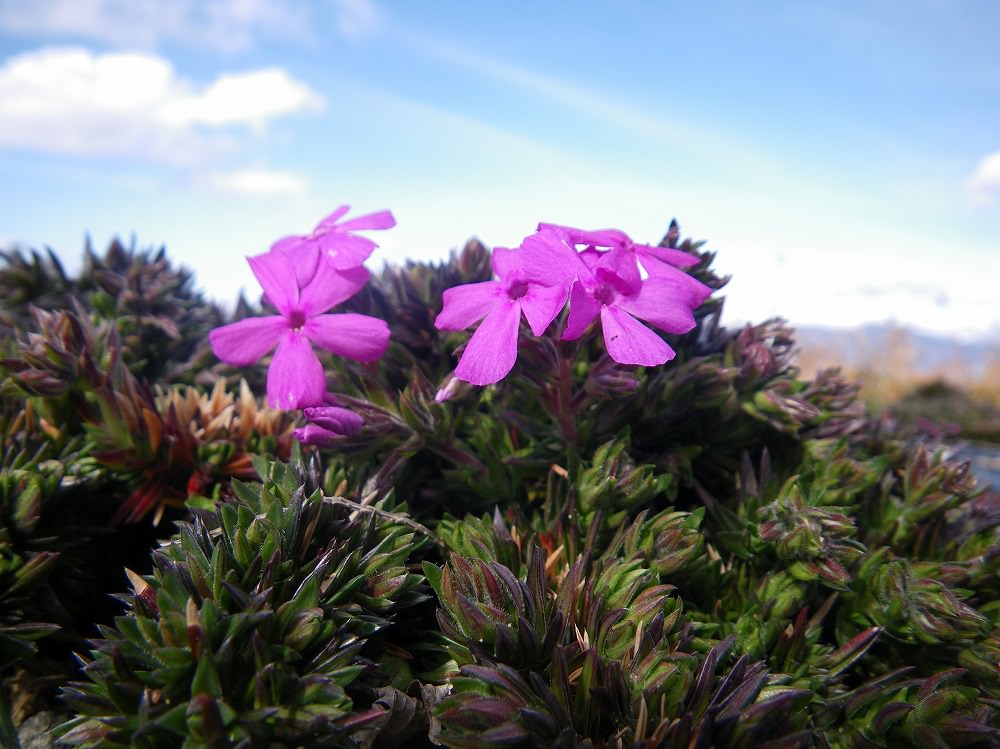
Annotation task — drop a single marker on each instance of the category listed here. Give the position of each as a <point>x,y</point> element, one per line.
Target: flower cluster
<point>304,277</point>
<point>599,273</point>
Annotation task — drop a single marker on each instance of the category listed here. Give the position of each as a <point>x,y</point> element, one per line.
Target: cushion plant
<point>601,519</point>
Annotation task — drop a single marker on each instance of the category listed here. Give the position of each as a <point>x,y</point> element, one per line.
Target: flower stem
<point>397,517</point>
<point>564,399</point>
<point>457,455</point>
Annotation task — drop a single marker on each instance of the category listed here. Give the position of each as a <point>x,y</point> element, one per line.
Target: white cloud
<point>983,185</point>
<point>72,101</point>
<point>256,182</point>
<point>222,25</point>
<point>243,99</point>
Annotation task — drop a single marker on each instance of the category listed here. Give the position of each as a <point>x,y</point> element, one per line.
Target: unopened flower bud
<point>334,419</point>
<point>452,388</point>
<point>610,379</point>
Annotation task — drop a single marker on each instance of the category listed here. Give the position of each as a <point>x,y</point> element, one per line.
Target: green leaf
<point>206,678</point>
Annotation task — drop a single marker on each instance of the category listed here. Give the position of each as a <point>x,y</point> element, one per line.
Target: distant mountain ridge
<point>924,353</point>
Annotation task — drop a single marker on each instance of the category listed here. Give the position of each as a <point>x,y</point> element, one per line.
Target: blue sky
<point>843,159</point>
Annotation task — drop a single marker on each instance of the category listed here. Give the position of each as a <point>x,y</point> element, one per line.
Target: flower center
<point>604,294</point>
<point>296,319</point>
<point>517,289</point>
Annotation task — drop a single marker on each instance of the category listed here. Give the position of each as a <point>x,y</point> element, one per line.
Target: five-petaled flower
<point>656,261</point>
<point>295,378</point>
<point>609,286</point>
<point>522,286</point>
<point>333,241</point>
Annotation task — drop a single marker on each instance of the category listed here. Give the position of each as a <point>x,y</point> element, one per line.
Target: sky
<point>842,159</point>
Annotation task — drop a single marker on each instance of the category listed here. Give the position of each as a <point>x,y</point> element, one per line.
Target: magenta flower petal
<point>597,238</point>
<point>276,274</point>
<point>591,258</point>
<point>619,268</point>
<point>303,255</point>
<point>583,308</point>
<point>330,221</point>
<point>289,244</point>
<point>468,304</point>
<point>340,246</point>
<point>546,226</point>
<point>601,237</point>
<point>377,220</point>
<point>491,352</point>
<point>345,251</point>
<point>693,290</point>
<point>334,419</point>
<point>630,342</point>
<point>311,434</point>
<point>336,242</point>
<point>505,262</point>
<point>547,259</point>
<point>664,302</point>
<point>295,378</point>
<point>352,335</point>
<point>329,287</point>
<point>244,342</point>
<point>668,255</point>
<point>541,305</point>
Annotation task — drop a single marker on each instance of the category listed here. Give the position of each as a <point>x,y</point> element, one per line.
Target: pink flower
<point>521,287</point>
<point>609,287</point>
<point>295,377</point>
<point>657,261</point>
<point>334,242</point>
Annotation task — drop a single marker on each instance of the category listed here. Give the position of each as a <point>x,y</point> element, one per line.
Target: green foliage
<point>30,278</point>
<point>939,407</point>
<point>258,625</point>
<point>89,442</point>
<point>171,443</point>
<point>52,507</point>
<point>162,321</point>
<point>715,552</point>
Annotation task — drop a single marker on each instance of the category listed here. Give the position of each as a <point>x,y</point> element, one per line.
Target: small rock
<point>36,731</point>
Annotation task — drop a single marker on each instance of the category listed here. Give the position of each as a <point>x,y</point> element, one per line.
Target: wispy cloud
<point>596,105</point>
<point>72,101</point>
<point>357,18</point>
<point>262,182</point>
<point>430,124</point>
<point>983,185</point>
<point>222,25</point>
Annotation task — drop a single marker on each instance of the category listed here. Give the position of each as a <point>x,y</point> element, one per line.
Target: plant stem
<point>396,517</point>
<point>456,455</point>
<point>564,400</point>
